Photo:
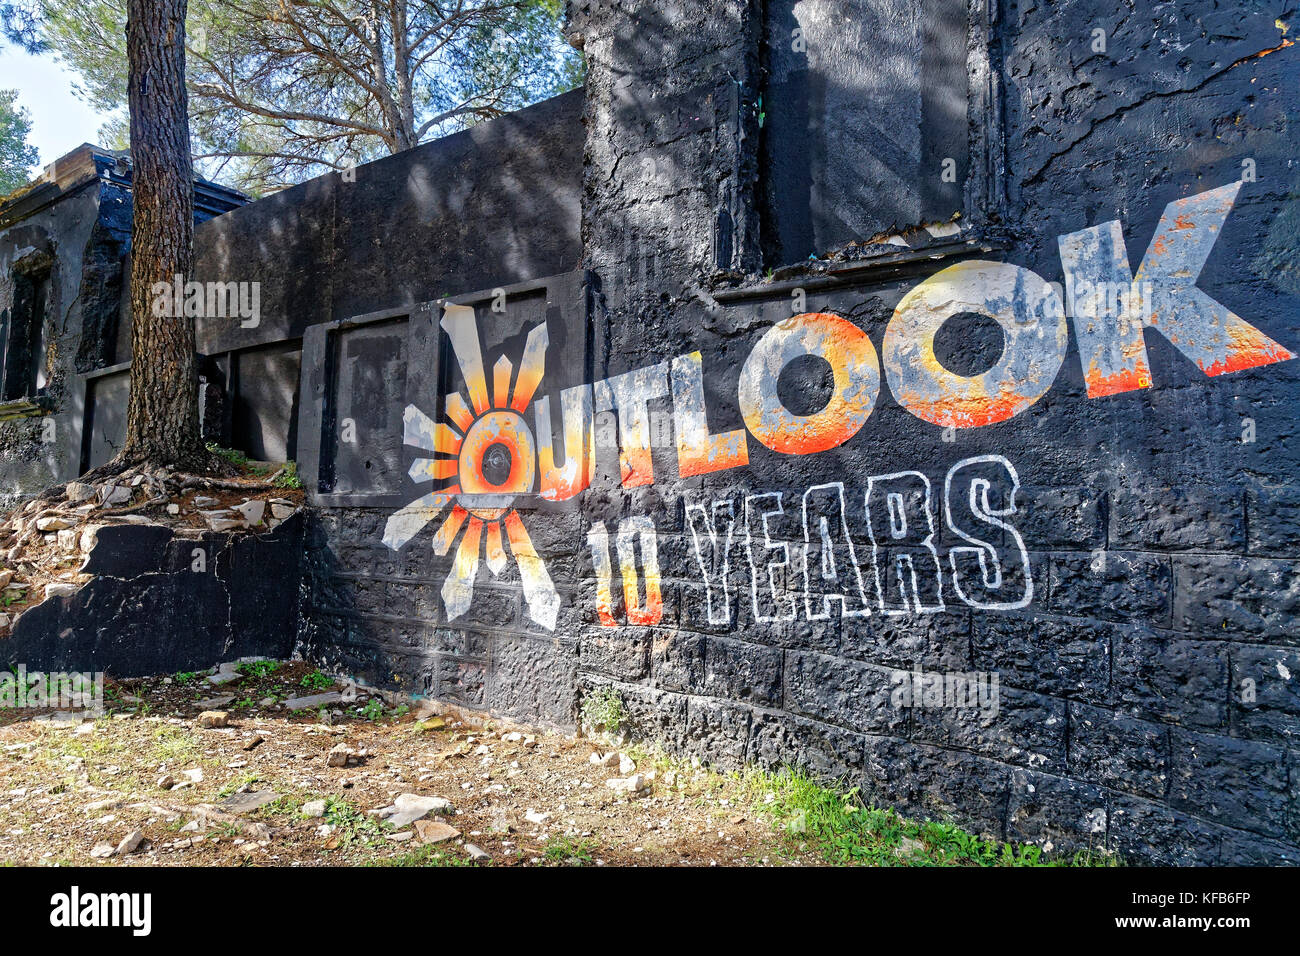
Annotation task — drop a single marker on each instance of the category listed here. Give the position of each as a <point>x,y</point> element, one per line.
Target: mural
<point>802,558</point>
<point>459,450</point>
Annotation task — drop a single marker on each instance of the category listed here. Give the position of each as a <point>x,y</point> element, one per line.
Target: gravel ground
<point>149,784</point>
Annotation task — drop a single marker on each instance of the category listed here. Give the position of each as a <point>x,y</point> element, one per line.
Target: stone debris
<point>206,815</point>
<point>634,785</point>
<point>341,755</point>
<point>907,846</point>
<point>112,495</point>
<point>509,808</point>
<point>252,511</point>
<point>219,523</point>
<point>626,765</point>
<point>215,703</point>
<point>314,701</point>
<point>60,589</point>
<point>409,807</point>
<point>130,843</point>
<point>434,831</point>
<point>112,803</point>
<point>213,718</point>
<point>78,491</point>
<point>247,801</point>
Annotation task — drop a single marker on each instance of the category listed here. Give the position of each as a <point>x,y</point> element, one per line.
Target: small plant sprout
<point>603,710</point>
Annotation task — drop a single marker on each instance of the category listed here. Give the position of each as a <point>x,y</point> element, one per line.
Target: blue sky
<point>60,121</point>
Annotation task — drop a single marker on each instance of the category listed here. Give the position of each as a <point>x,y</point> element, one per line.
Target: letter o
<point>1033,323</point>
<point>500,427</point>
<point>855,368</point>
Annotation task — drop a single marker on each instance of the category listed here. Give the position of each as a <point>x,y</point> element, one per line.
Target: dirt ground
<point>74,790</point>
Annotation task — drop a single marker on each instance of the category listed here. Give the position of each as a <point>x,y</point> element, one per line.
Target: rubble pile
<point>44,543</point>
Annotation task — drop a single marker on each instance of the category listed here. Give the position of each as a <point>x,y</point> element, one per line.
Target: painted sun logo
<point>486,455</point>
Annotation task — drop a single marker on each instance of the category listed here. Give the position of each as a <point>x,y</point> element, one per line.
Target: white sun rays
<point>472,502</point>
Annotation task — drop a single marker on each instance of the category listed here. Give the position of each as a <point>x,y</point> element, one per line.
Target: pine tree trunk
<point>162,417</point>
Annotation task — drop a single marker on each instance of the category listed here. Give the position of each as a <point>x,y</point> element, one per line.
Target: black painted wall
<point>1147,700</point>
<point>160,602</point>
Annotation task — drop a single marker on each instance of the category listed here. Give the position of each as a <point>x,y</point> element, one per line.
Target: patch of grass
<point>232,455</point>
<point>247,780</point>
<point>603,708</point>
<point>289,805</point>
<point>289,478</point>
<point>316,680</point>
<point>258,669</point>
<point>567,852</point>
<point>186,677</point>
<point>351,826</point>
<point>172,743</point>
<point>843,829</point>
<point>423,856</point>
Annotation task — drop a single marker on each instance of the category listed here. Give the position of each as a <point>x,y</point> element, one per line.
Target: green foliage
<point>16,156</point>
<point>172,743</point>
<point>317,680</point>
<point>232,455</point>
<point>423,856</point>
<point>268,108</point>
<point>603,707</point>
<point>373,709</point>
<point>234,786</point>
<point>351,826</point>
<point>186,677</point>
<point>258,669</point>
<point>289,477</point>
<point>562,850</point>
<point>844,830</point>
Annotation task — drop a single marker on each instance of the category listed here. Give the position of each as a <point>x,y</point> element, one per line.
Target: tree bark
<point>162,417</point>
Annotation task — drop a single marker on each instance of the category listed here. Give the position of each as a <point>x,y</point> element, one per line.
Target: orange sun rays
<point>454,454</point>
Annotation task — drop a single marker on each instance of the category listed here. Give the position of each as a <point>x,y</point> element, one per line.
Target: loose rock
<point>213,718</point>
<point>130,843</point>
<point>435,831</point>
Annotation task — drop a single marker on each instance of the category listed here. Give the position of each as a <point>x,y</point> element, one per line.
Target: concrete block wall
<point>1147,688</point>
